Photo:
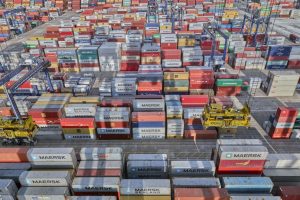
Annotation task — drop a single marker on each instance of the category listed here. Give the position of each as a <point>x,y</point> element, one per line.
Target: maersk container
<point>99,185</point>
<point>73,110</point>
<point>192,168</point>
<point>57,178</point>
<point>100,165</point>
<point>8,187</point>
<point>148,105</point>
<point>254,197</point>
<point>149,157</point>
<point>101,153</point>
<point>148,136</point>
<point>196,182</point>
<point>153,187</point>
<point>259,185</point>
<point>80,136</point>
<point>192,113</point>
<point>147,167</point>
<point>91,198</point>
<point>59,157</point>
<point>49,193</point>
<point>243,152</point>
<point>283,161</point>
<point>113,130</point>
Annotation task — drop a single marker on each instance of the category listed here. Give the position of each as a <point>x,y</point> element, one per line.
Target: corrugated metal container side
<point>51,154</point>
<point>101,153</point>
<point>6,197</point>
<point>132,197</point>
<point>201,194</point>
<point>100,165</point>
<point>248,184</point>
<point>49,193</point>
<point>193,168</point>
<point>91,198</point>
<point>145,187</point>
<point>145,166</point>
<point>15,166</point>
<point>57,178</point>
<point>13,155</point>
<point>283,161</point>
<point>196,183</point>
<point>147,157</point>
<point>256,197</point>
<point>8,187</point>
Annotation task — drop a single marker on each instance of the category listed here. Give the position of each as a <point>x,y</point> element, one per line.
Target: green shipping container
<point>229,82</point>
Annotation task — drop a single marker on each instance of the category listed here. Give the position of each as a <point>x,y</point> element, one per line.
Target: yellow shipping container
<point>69,69</point>
<point>50,102</point>
<point>37,38</point>
<point>53,95</point>
<point>95,100</point>
<point>103,24</point>
<point>150,60</point>
<point>176,89</point>
<point>79,131</point>
<point>176,75</point>
<point>132,197</point>
<point>182,42</point>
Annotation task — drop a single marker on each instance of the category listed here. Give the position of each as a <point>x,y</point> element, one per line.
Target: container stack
<point>176,82</point>
<point>148,125</point>
<point>133,189</point>
<point>277,57</point>
<point>281,83</point>
<point>230,153</point>
<point>147,166</point>
<point>8,189</point>
<point>47,111</point>
<point>228,87</point>
<point>192,56</point>
<point>281,124</point>
<point>109,56</point>
<point>130,56</point>
<point>148,85</point>
<point>151,54</point>
<point>123,86</point>
<point>283,169</point>
<point>171,58</point>
<point>168,41</point>
<point>113,123</point>
<point>78,128</point>
<point>174,112</point>
<point>192,168</point>
<point>201,80</point>
<point>94,164</point>
<point>42,182</point>
<point>67,60</point>
<point>88,58</point>
<point>294,60</point>
<point>13,162</point>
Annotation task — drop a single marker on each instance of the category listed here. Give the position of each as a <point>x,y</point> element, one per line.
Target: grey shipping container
<point>196,183</point>
<point>283,175</point>
<point>96,184</point>
<point>193,168</point>
<point>40,193</point>
<point>6,197</point>
<point>8,187</point>
<point>145,187</point>
<point>283,161</point>
<point>11,174</point>
<point>55,178</point>
<point>91,198</point>
<point>100,165</point>
<point>147,157</point>
<point>17,166</point>
<point>147,167</point>
<point>255,197</point>
<point>101,153</point>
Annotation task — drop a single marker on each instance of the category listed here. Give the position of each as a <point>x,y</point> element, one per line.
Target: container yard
<point>149,100</point>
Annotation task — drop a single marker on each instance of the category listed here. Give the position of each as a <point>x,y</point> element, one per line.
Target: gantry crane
<point>214,115</point>
<point>18,130</point>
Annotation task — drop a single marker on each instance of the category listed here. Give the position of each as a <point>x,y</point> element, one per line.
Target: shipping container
<point>260,185</point>
<point>51,193</point>
<point>196,182</point>
<point>192,168</point>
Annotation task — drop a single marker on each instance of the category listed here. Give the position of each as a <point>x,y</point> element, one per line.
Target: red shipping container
<point>116,103</point>
<point>200,134</point>
<point>120,124</point>
<point>98,173</point>
<point>286,112</point>
<point>113,136</point>
<point>13,155</point>
<point>45,112</point>
<point>194,100</point>
<point>201,194</point>
<point>171,54</point>
<point>77,122</point>
<point>286,119</point>
<point>6,111</point>
<point>46,121</point>
<point>174,70</point>
<point>280,133</point>
<point>239,166</point>
<point>289,192</point>
<point>168,45</point>
<point>148,116</point>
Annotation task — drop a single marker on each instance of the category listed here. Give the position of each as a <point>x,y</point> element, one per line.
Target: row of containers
<point>59,4</point>
<point>56,173</point>
<point>63,116</point>
<point>17,21</point>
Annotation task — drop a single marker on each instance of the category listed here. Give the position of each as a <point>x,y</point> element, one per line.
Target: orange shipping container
<point>201,194</point>
<point>148,116</point>
<point>13,155</point>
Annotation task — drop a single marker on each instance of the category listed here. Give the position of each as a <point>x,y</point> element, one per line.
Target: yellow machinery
<point>214,115</point>
<point>18,132</point>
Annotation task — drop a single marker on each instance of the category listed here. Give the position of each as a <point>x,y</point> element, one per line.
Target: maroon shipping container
<point>98,172</point>
<point>116,103</point>
<point>113,136</point>
<point>194,100</point>
<point>45,112</point>
<point>289,192</point>
<point>201,194</point>
<point>286,112</point>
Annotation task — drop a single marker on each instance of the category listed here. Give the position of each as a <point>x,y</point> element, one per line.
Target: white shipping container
<point>149,187</point>
<point>148,105</point>
<point>113,130</point>
<point>91,198</point>
<point>51,155</point>
<point>243,153</point>
<point>140,167</point>
<point>57,178</point>
<point>80,136</point>
<point>148,136</point>
<point>283,161</point>
<point>142,157</point>
<point>193,168</point>
<point>41,193</point>
<point>101,153</point>
<point>189,113</point>
<point>8,187</point>
<point>100,164</point>
<point>112,116</point>
<point>149,131</point>
<point>80,110</point>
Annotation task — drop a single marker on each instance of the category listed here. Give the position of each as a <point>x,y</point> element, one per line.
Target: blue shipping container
<point>248,184</point>
<point>279,50</point>
<point>148,124</point>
